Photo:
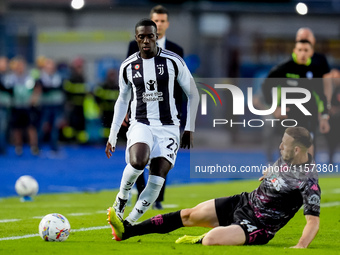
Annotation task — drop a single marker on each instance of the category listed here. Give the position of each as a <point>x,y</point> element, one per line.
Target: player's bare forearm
<point>309,231</point>
<point>187,139</point>
<point>109,150</point>
<point>324,126</point>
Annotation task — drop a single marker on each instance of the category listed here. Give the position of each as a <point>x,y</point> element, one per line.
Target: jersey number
<point>170,145</point>
<point>250,228</point>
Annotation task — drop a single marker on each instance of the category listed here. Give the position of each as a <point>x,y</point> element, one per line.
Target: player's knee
<point>138,164</point>
<point>186,216</point>
<point>139,156</point>
<point>138,161</point>
<point>208,240</point>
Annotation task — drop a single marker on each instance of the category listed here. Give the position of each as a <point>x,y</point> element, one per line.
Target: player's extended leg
<point>201,215</point>
<point>230,235</point>
<point>204,215</point>
<point>159,168</point>
<point>139,156</point>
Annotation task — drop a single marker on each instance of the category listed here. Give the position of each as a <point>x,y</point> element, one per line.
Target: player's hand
<point>277,113</point>
<point>187,140</point>
<point>109,150</point>
<point>264,173</point>
<point>324,126</point>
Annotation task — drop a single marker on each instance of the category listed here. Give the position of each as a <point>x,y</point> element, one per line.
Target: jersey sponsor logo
<point>137,75</point>
<point>314,200</point>
<point>152,97</point>
<point>151,85</point>
<point>278,183</point>
<point>160,69</point>
<point>137,67</point>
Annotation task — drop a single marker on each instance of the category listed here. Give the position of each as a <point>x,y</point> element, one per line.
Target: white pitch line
<point>89,229</point>
<point>78,214</point>
<point>18,237</point>
<point>9,220</point>
<point>40,217</point>
<point>170,206</point>
<point>72,230</point>
<point>330,204</point>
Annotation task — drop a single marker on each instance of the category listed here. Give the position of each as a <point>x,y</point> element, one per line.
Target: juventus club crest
<point>151,85</point>
<point>160,69</point>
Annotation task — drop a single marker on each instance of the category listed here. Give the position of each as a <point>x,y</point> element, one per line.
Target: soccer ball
<point>26,186</point>
<point>54,227</point>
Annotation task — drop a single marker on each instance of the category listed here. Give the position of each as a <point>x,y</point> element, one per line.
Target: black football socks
<point>162,223</point>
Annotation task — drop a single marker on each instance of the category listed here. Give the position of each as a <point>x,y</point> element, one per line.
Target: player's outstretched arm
<point>309,231</point>
<point>187,140</point>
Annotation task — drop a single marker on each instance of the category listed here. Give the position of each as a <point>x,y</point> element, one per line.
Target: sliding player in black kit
<point>250,218</point>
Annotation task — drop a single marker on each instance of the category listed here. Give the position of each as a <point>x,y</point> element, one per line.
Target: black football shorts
<point>236,210</point>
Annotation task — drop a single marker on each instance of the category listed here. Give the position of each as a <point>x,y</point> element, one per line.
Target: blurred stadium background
<point>220,39</point>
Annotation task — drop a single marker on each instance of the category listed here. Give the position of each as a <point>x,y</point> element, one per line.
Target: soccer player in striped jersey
<point>146,81</point>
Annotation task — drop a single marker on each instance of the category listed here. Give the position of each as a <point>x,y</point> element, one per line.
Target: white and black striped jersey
<point>149,84</point>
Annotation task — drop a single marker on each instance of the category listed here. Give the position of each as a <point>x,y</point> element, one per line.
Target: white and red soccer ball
<point>54,227</point>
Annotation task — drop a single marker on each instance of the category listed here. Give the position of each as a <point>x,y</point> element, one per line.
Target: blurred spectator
<point>39,65</point>
<point>76,89</point>
<point>333,137</point>
<point>293,73</point>
<point>5,102</point>
<point>50,89</point>
<point>106,95</point>
<point>24,114</point>
<point>319,60</point>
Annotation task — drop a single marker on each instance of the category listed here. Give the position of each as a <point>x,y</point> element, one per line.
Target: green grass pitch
<point>87,210</point>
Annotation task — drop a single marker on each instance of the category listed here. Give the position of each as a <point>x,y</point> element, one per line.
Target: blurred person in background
<point>299,72</point>
<point>160,15</point>
<point>39,65</point>
<point>333,137</point>
<point>106,95</point>
<point>319,60</point>
<point>24,112</point>
<point>75,88</point>
<point>5,103</point>
<point>49,88</point>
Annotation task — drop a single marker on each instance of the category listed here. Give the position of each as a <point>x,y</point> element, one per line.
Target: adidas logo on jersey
<point>137,75</point>
<point>171,156</point>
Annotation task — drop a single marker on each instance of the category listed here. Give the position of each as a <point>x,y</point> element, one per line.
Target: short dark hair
<point>305,41</point>
<point>301,136</point>
<point>159,9</point>
<point>146,23</point>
